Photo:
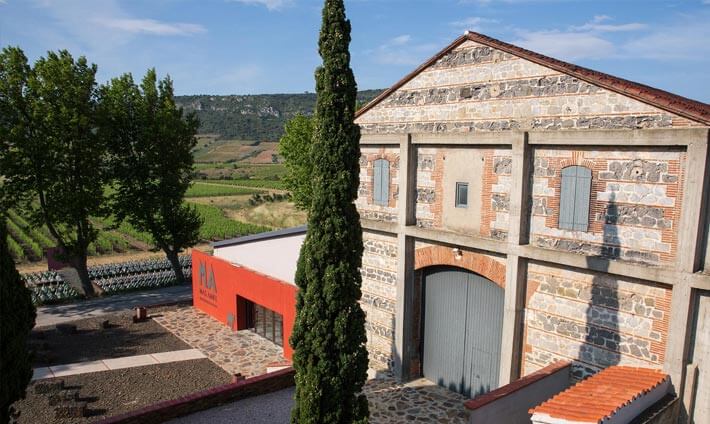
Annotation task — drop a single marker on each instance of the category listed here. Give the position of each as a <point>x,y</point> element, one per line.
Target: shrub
<point>18,318</point>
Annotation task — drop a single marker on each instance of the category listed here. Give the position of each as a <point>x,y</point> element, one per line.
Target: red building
<point>248,283</point>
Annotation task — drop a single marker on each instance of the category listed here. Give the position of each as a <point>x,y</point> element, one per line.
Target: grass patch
<point>199,189</point>
<point>268,184</point>
<point>272,214</point>
<point>217,226</point>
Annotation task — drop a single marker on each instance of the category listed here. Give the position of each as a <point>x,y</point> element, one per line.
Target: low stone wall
<point>199,401</point>
<point>510,403</point>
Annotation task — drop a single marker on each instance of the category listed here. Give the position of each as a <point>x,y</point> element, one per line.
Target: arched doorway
<point>462,329</point>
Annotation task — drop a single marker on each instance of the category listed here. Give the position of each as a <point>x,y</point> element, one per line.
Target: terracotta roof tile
<point>682,106</point>
<point>601,395</point>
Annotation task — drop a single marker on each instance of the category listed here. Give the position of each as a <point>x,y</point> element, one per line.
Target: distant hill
<point>259,117</point>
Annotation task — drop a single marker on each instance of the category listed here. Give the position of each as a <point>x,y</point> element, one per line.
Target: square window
<point>461,195</point>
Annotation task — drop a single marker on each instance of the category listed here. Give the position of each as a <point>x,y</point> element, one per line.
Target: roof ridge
<point>674,103</point>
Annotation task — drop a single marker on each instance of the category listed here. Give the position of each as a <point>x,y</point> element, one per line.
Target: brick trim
<point>472,261</point>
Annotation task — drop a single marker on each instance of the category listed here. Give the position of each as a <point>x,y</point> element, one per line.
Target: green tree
<point>52,160</point>
<point>329,338</point>
<point>17,317</point>
<point>151,144</point>
<point>295,147</point>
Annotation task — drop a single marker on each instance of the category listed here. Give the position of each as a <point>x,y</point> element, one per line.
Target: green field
<point>266,184</point>
<point>224,204</point>
<point>201,189</point>
<point>217,226</point>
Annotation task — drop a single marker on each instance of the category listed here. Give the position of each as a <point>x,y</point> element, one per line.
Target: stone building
<point>518,210</point>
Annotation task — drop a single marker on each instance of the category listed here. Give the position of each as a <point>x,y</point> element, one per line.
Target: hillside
<point>259,117</point>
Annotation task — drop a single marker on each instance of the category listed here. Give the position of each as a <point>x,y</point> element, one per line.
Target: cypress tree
<point>329,338</point>
<point>17,317</point>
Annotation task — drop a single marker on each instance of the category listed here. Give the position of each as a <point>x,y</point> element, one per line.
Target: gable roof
<point>679,105</point>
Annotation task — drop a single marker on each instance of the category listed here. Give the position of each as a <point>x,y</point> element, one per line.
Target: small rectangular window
<point>461,195</point>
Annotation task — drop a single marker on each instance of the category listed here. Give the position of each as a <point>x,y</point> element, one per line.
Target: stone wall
<point>430,165</point>
<point>478,88</point>
<point>495,201</point>
<point>379,293</point>
<point>635,203</point>
<point>593,319</point>
<point>365,205</point>
<point>488,206</point>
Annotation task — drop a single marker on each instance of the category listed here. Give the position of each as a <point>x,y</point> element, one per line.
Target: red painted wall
<point>216,284</point>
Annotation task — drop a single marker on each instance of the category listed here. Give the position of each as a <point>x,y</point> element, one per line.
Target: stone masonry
<point>478,115</point>
<point>495,196</point>
<point>635,204</point>
<point>379,278</point>
<point>477,88</point>
<point>367,208</point>
<point>593,319</point>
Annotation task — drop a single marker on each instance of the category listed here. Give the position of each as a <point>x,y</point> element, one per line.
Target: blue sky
<point>269,46</point>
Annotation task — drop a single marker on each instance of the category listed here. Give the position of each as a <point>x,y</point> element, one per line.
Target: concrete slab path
<point>57,314</point>
<point>116,363</point>
<point>272,408</point>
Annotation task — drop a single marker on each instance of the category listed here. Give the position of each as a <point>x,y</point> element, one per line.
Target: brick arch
<point>474,262</point>
<point>578,160</point>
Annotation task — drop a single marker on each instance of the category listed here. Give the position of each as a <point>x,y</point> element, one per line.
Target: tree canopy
<point>151,142</point>
<point>295,147</point>
<point>53,161</point>
<point>330,356</point>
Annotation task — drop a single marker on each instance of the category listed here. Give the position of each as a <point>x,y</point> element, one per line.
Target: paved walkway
<point>419,401</point>
<point>236,352</point>
<point>271,408</point>
<point>116,363</point>
<point>57,314</point>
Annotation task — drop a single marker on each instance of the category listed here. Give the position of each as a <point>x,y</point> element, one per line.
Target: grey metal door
<point>463,321</point>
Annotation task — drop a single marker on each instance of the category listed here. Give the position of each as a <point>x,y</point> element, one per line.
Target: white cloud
<point>401,50</point>
<point>686,38</point>
<point>596,25</point>
<point>566,45</point>
<point>473,23</point>
<point>400,40</point>
<point>151,26</point>
<point>270,4</point>
<point>590,40</point>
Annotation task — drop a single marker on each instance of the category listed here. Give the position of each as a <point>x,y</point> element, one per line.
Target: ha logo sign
<point>208,284</point>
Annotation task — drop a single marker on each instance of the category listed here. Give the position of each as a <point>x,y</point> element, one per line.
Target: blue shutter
<point>567,189</point>
<point>581,199</point>
<point>377,182</point>
<point>575,191</point>
<point>381,182</point>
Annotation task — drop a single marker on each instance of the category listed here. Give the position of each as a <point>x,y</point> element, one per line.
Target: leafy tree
<point>18,318</point>
<point>53,161</point>
<point>329,338</point>
<point>295,147</point>
<point>151,143</point>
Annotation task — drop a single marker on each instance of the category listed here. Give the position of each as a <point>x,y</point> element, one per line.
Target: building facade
<point>518,210</point>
